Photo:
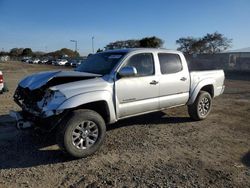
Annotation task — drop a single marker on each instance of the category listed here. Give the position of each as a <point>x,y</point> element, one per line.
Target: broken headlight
<point>51,99</point>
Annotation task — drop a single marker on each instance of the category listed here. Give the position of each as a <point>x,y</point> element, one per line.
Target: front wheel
<point>82,134</point>
<point>201,107</point>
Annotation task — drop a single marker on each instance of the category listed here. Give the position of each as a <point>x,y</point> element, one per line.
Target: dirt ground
<point>163,149</point>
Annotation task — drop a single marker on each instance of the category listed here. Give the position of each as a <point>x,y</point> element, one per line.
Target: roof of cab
<point>127,50</point>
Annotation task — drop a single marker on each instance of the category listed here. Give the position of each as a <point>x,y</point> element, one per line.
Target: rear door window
<point>170,63</point>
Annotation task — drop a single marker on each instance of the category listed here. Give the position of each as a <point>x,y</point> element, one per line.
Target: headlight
<point>47,97</point>
<point>51,99</point>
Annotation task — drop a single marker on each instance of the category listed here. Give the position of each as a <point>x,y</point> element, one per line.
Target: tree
<point>15,52</point>
<point>210,43</point>
<point>186,44</point>
<point>151,42</point>
<point>38,54</point>
<point>27,52</point>
<point>216,42</point>
<point>123,44</point>
<point>69,52</point>
<point>3,53</point>
<point>198,47</point>
<point>147,42</point>
<point>63,52</point>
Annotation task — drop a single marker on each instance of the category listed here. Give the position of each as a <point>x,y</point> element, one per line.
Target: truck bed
<point>216,76</point>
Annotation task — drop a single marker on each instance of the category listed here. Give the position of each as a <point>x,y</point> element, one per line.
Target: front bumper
<point>26,120</point>
<point>21,122</point>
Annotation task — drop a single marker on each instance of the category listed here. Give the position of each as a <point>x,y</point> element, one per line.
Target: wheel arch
<point>205,85</point>
<point>100,101</point>
<point>101,107</point>
<point>208,88</point>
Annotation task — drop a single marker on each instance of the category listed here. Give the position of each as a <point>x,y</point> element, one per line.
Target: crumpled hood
<point>38,80</point>
<point>84,86</point>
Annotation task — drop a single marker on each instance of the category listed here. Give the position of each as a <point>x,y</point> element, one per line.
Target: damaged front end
<point>39,107</point>
<point>39,100</point>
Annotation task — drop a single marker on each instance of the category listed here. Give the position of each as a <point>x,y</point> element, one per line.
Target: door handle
<point>183,79</point>
<point>154,82</point>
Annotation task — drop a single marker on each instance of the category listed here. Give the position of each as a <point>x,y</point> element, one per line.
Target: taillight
<point>1,78</point>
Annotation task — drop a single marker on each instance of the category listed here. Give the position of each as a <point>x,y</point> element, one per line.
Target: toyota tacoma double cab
<point>110,86</point>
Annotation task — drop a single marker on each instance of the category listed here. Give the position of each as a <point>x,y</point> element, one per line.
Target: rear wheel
<point>82,134</point>
<point>201,107</point>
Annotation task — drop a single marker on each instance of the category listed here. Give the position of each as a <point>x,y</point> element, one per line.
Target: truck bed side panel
<point>200,79</point>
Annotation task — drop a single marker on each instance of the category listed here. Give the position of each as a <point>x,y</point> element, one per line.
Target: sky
<point>49,25</point>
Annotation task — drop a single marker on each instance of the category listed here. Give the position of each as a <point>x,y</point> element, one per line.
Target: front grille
<point>27,99</point>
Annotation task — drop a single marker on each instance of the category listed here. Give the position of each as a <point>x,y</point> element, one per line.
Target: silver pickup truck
<point>110,86</point>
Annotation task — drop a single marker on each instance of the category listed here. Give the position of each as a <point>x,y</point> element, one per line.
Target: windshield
<point>101,63</point>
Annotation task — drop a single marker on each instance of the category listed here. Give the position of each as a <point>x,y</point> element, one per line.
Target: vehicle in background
<point>34,61</point>
<point>110,86</point>
<point>61,62</point>
<point>1,82</point>
<point>68,63</point>
<point>74,63</point>
<point>26,59</point>
<point>54,62</point>
<point>43,61</point>
<point>4,58</point>
<point>50,61</point>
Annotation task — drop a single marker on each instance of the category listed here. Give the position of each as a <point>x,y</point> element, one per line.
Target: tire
<point>82,134</point>
<point>201,107</point>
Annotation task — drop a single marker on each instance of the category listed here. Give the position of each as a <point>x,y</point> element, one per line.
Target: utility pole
<point>75,41</point>
<point>93,50</point>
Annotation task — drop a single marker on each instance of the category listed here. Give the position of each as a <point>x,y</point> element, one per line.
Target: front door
<point>140,93</point>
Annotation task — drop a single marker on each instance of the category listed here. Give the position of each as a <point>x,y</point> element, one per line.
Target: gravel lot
<point>163,149</point>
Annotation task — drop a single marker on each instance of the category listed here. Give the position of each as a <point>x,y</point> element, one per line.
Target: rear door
<point>138,94</point>
<point>174,80</point>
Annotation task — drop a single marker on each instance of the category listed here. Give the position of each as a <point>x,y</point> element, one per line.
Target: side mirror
<point>128,72</point>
